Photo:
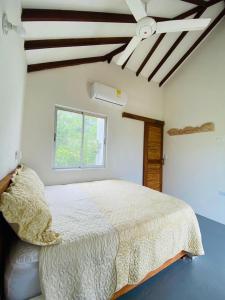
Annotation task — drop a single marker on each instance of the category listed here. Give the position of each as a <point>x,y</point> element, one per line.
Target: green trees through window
<point>79,139</point>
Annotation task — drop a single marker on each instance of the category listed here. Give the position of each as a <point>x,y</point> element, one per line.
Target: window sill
<point>78,169</point>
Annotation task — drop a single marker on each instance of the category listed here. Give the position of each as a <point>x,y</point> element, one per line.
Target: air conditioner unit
<point>108,94</point>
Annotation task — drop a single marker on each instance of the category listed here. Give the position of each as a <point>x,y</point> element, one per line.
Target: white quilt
<point>114,233</point>
<point>83,265</point>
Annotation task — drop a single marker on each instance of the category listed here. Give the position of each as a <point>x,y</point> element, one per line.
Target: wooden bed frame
<point>130,287</point>
<point>7,235</point>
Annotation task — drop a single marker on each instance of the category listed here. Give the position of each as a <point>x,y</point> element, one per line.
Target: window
<point>79,139</point>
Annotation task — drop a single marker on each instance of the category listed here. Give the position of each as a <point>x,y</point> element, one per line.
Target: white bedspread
<point>114,233</point>
<point>83,265</point>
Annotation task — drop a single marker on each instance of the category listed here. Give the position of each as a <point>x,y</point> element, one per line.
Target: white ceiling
<point>162,8</point>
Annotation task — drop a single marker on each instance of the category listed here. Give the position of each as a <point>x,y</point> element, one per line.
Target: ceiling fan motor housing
<point>146,27</point>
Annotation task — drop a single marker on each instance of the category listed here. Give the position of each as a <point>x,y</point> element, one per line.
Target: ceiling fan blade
<point>182,25</point>
<point>137,8</point>
<point>129,49</point>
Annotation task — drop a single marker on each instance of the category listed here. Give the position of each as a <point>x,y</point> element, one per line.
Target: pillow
<point>32,180</point>
<point>24,207</point>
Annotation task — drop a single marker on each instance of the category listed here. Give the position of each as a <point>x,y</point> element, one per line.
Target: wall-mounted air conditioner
<point>105,93</point>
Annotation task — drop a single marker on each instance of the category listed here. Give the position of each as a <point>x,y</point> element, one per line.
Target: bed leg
<point>189,257</point>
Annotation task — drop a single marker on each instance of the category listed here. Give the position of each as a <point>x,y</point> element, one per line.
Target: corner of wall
<point>12,85</point>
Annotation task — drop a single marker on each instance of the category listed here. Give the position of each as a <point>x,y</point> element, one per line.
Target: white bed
<point>151,228</point>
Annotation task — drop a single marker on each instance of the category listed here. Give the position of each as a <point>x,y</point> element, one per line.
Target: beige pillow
<point>24,207</point>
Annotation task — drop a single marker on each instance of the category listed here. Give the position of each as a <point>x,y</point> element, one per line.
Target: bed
<point>130,233</point>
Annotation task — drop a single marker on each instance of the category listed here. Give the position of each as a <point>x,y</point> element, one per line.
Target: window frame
<point>84,113</point>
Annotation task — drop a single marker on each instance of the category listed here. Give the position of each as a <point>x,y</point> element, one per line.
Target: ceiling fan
<point>147,26</point>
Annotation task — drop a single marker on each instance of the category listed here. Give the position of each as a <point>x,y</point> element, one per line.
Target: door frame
<point>147,121</point>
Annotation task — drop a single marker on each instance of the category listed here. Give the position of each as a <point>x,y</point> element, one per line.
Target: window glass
<point>79,140</point>
<point>94,138</point>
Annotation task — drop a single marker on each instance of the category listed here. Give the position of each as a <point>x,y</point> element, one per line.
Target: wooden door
<point>153,156</point>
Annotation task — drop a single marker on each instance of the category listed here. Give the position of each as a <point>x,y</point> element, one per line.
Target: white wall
<point>70,87</point>
<point>195,169</point>
<point>12,75</point>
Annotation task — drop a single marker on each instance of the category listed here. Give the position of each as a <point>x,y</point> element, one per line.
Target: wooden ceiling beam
<point>150,53</point>
<point>111,54</point>
<point>77,42</point>
<point>188,13</point>
<point>64,63</point>
<point>125,63</point>
<point>213,2</point>
<point>74,62</point>
<point>172,48</point>
<point>193,47</point>
<point>33,15</point>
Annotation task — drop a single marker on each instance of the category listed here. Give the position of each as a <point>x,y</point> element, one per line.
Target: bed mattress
<point>152,228</point>
<point>22,273</point>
